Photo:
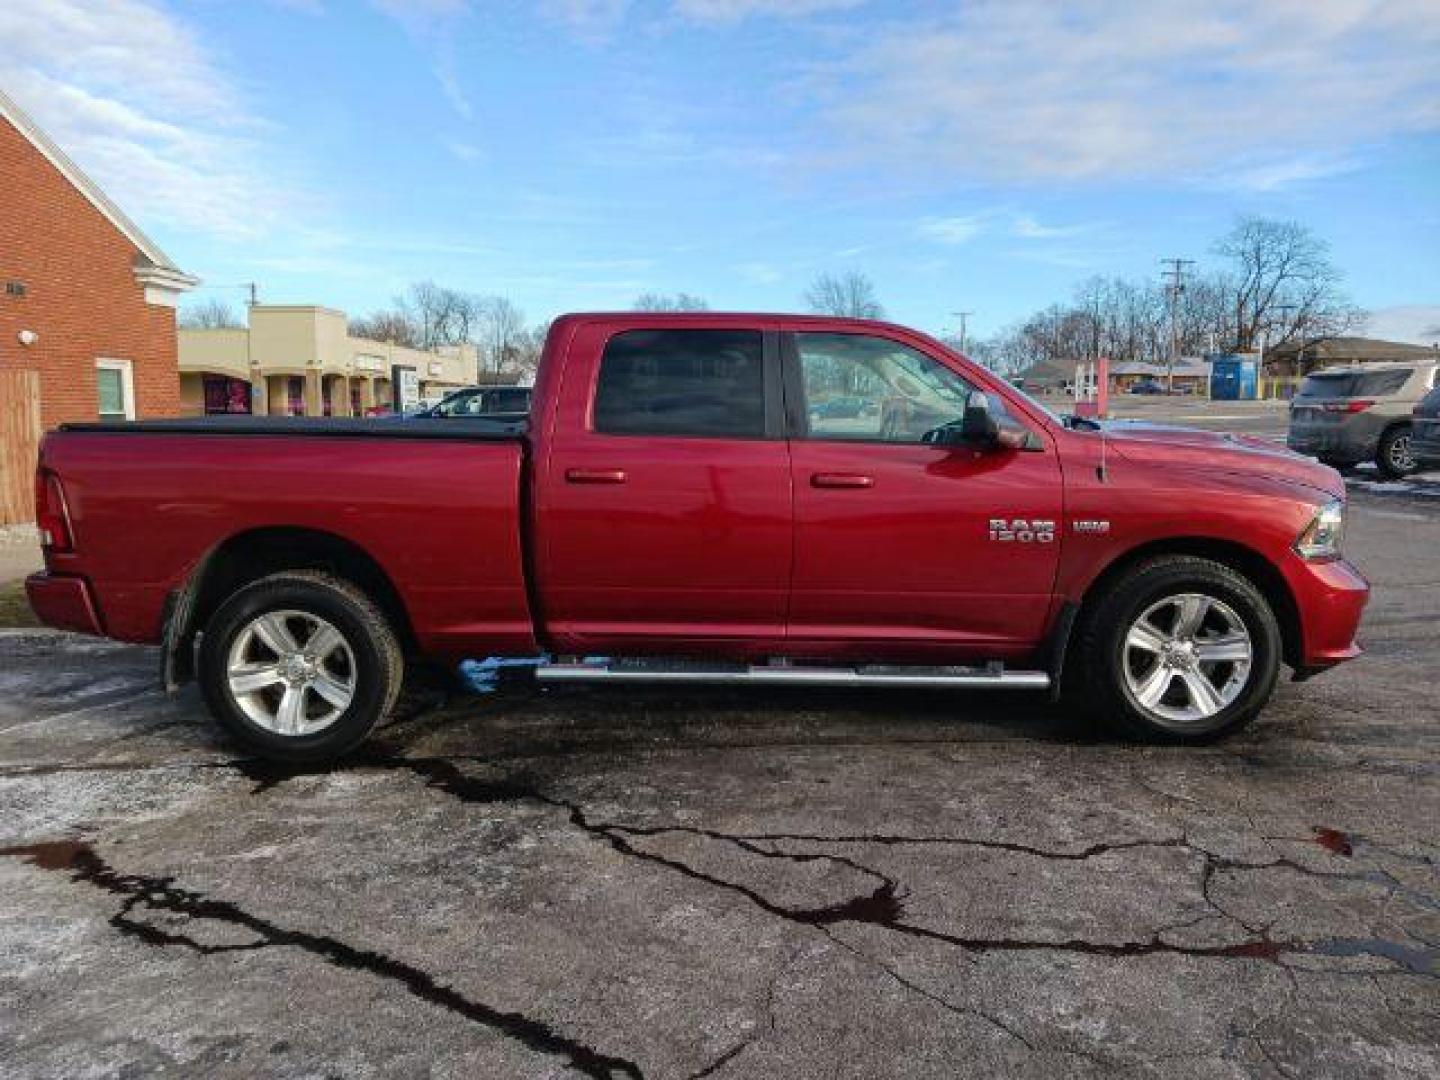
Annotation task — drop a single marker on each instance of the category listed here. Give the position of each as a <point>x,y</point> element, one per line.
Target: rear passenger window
<point>682,382</point>
<point>1379,383</point>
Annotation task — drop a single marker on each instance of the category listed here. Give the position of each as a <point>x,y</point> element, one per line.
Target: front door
<point>905,549</point>
<point>664,509</point>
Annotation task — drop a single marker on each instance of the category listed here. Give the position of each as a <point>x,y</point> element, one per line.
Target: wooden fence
<point>19,444</point>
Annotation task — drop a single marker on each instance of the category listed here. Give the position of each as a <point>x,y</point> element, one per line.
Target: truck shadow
<point>559,721</point>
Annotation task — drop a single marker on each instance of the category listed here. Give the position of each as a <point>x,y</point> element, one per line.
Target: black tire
<point>1393,457</point>
<point>378,664</point>
<point>1100,651</point>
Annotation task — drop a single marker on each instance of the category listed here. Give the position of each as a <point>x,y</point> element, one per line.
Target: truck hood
<point>1163,444</point>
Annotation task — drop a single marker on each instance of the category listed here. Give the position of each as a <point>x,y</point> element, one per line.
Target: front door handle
<point>595,476</point>
<point>841,480</point>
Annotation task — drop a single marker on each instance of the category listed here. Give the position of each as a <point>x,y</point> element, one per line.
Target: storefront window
<point>224,396</point>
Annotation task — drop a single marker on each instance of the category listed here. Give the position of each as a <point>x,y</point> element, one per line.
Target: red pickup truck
<point>705,498</point>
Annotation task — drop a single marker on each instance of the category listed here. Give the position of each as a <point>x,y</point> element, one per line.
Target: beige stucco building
<point>300,360</point>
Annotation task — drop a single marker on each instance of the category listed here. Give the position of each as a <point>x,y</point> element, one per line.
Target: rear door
<point>664,507</point>
<point>905,549</point>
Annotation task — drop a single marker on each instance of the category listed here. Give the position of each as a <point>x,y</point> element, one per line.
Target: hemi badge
<point>1090,525</point>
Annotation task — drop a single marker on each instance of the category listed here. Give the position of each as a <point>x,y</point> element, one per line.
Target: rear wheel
<point>1394,457</point>
<point>300,666</point>
<point>1182,649</point>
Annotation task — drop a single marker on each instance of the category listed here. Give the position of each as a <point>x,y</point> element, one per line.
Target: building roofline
<point>159,261</point>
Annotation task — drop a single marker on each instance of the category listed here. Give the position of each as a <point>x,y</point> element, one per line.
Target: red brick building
<point>87,301</point>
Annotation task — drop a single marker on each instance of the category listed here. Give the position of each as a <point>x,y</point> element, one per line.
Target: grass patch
<point>14,608</point>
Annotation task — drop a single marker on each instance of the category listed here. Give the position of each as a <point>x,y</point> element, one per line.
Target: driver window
<point>870,389</point>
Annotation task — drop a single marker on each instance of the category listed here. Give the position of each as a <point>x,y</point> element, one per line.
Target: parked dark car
<point>1425,431</point>
<point>1344,416</point>
<point>1147,386</point>
<point>491,402</point>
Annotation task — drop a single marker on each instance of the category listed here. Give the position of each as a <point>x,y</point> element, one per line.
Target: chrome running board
<point>992,677</point>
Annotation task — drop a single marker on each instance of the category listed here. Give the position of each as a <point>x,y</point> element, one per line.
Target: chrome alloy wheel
<point>1186,658</point>
<point>1402,459</point>
<point>291,672</point>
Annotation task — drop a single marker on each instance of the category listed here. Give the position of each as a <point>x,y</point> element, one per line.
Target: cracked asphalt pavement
<point>637,882</point>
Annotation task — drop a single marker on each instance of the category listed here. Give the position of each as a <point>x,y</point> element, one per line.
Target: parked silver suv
<point>1344,416</point>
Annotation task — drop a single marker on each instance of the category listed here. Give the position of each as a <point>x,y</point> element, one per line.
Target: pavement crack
<point>884,905</point>
<point>160,894</point>
<point>720,1062</point>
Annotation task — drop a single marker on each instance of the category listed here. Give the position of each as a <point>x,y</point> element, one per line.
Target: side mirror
<point>979,427</point>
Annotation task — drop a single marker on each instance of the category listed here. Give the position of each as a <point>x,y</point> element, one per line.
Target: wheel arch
<point>1256,568</point>
<point>248,556</point>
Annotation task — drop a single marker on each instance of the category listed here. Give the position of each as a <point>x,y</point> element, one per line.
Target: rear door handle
<point>595,476</point>
<point>841,480</point>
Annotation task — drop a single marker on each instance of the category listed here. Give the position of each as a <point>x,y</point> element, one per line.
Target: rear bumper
<point>1330,598</point>
<point>1333,444</point>
<point>63,601</point>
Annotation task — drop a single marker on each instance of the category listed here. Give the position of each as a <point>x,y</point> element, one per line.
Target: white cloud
<point>462,150</point>
<point>131,94</point>
<point>963,228</point>
<point>586,17</point>
<point>430,23</point>
<point>595,17</point>
<point>1418,324</point>
<point>735,10</point>
<point>762,273</point>
<point>1031,90</point>
<point>955,230</point>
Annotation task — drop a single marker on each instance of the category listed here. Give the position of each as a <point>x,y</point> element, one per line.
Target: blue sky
<point>571,154</point>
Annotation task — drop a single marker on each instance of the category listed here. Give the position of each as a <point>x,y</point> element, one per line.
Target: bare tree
<point>439,315</point>
<point>499,330</point>
<point>660,302</point>
<point>1285,286</point>
<point>393,326</point>
<point>210,315</point>
<point>851,294</point>
<point>528,346</point>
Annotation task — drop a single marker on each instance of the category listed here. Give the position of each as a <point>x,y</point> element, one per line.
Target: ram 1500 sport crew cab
<point>701,497</point>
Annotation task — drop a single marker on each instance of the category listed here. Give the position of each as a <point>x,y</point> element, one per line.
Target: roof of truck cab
<point>736,318</point>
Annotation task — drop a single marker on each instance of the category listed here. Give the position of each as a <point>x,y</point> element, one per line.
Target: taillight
<point>51,517</point>
<point>1357,405</point>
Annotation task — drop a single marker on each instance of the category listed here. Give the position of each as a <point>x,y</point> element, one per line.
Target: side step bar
<point>993,677</point>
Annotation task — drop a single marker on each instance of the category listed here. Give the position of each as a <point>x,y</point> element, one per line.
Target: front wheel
<point>300,667</point>
<point>1182,649</point>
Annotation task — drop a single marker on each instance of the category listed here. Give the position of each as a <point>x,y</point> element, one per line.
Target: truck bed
<point>477,429</point>
<point>437,509</point>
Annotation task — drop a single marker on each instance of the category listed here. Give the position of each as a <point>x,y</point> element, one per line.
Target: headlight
<point>1321,538</point>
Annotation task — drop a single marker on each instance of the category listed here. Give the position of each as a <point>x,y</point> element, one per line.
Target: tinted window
<point>1328,386</point>
<point>682,382</point>
<point>876,390</point>
<point>1346,384</point>
<point>508,401</point>
<point>1378,383</point>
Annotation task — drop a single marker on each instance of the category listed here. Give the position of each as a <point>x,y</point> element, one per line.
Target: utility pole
<point>1175,285</point>
<point>962,316</point>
